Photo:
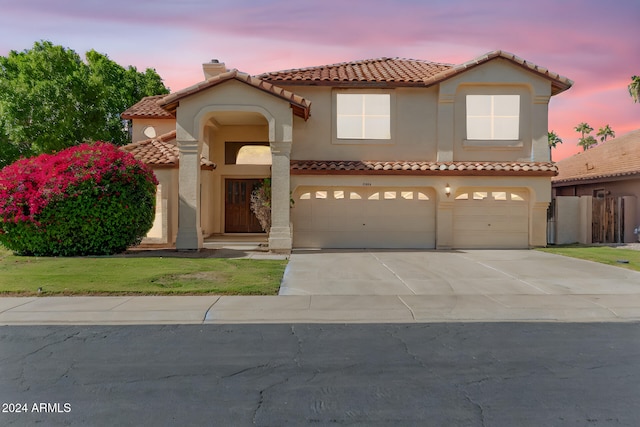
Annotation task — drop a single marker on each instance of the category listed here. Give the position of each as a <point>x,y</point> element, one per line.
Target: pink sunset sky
<point>593,42</point>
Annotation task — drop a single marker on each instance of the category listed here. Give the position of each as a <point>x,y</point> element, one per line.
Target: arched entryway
<point>238,142</point>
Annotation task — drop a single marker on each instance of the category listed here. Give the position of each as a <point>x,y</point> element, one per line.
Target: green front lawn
<point>138,275</point>
<point>602,254</point>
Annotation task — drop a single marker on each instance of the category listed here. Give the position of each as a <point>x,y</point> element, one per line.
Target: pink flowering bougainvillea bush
<point>91,199</point>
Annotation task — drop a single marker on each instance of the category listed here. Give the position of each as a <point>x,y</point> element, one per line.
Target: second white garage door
<point>491,218</point>
<point>363,217</point>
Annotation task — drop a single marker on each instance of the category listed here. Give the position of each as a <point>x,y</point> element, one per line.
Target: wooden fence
<point>608,220</point>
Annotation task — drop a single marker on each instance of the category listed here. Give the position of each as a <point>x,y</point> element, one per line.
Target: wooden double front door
<point>238,215</point>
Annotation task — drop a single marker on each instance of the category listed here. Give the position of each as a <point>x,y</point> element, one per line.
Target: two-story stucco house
<point>381,153</point>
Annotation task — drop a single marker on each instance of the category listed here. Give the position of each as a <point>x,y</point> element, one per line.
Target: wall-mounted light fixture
<point>447,190</point>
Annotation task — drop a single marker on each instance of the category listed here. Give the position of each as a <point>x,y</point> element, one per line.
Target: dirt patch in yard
<point>200,276</point>
<point>173,253</point>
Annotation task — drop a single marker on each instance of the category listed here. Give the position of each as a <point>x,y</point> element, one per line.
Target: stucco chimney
<point>213,68</point>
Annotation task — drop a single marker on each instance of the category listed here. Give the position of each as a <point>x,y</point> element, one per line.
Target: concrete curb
<point>134,310</point>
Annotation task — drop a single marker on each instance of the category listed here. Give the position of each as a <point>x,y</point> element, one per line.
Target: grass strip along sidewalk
<point>138,275</point>
<point>626,258</point>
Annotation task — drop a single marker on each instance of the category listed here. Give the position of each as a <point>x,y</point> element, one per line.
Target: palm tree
<point>605,133</point>
<point>554,139</point>
<point>584,129</point>
<point>634,88</point>
<point>585,141</point>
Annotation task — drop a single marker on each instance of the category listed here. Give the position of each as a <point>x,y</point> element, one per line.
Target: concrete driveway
<point>468,272</point>
<point>471,285</point>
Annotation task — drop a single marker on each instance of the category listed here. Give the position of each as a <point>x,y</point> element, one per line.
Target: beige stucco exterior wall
<point>568,220</point>
<point>494,77</point>
<point>161,126</point>
<point>413,130</point>
<point>165,226</point>
<point>573,218</point>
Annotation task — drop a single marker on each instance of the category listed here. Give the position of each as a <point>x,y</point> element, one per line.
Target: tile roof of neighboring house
<point>615,159</point>
<point>344,167</point>
<point>161,151</point>
<point>147,107</point>
<point>400,72</point>
<point>301,107</point>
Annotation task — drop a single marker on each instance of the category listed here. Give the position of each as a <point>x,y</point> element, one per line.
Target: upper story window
<point>493,117</point>
<point>363,116</point>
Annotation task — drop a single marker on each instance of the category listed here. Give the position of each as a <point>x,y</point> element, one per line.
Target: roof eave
<point>423,168</point>
<point>146,116</point>
<point>422,173</point>
<point>595,179</point>
<point>300,108</point>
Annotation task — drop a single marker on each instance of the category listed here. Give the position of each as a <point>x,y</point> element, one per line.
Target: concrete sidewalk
<point>318,309</point>
<point>378,286</point>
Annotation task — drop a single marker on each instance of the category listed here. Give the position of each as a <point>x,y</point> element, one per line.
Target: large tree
<point>51,99</point>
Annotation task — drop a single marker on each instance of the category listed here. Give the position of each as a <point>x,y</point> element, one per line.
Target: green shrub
<point>92,199</point>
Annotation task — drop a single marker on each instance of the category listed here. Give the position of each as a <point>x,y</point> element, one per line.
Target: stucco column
<point>540,151</point>
<point>280,239</point>
<point>538,224</point>
<point>444,225</point>
<point>189,231</point>
<point>445,126</point>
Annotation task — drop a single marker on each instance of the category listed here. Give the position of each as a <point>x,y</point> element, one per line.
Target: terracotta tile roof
<point>615,158</point>
<point>400,72</point>
<point>392,71</point>
<point>147,107</point>
<point>161,151</point>
<point>345,167</point>
<point>301,107</point>
<point>558,83</point>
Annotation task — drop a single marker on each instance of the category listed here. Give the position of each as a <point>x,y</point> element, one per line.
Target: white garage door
<point>363,217</point>
<point>491,218</point>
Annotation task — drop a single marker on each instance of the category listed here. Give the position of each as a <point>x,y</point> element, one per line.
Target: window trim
<point>496,144</point>
<point>361,141</point>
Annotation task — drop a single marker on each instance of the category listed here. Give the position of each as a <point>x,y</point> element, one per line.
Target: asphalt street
<point>441,374</point>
